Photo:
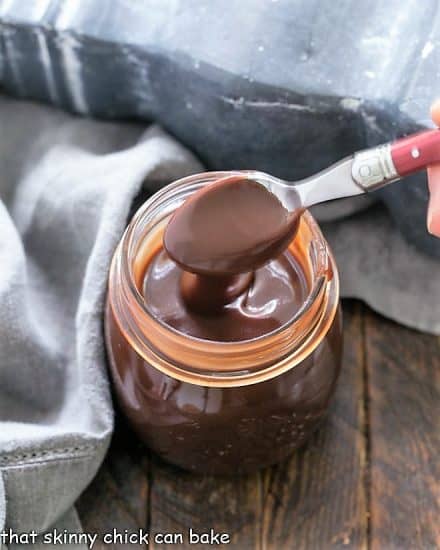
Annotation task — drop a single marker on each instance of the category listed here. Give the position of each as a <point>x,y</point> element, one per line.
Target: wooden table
<point>369,478</point>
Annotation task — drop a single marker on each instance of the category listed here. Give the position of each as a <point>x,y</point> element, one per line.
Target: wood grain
<point>403,368</point>
<point>318,498</point>
<point>181,500</point>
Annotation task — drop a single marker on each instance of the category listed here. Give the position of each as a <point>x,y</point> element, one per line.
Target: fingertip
<point>434,180</point>
<point>433,219</point>
<point>435,112</point>
<point>433,228</point>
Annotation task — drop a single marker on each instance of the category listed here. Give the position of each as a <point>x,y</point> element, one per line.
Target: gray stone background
<point>283,86</point>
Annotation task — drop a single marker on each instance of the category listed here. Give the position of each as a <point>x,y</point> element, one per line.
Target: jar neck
<point>208,362</point>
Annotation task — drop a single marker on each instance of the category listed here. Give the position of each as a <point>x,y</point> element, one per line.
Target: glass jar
<point>221,407</point>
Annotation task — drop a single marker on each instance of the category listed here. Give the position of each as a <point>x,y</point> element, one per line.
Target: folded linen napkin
<point>66,188</point>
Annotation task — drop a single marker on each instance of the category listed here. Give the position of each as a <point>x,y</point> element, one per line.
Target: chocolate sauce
<point>219,237</point>
<point>225,431</point>
<point>275,293</point>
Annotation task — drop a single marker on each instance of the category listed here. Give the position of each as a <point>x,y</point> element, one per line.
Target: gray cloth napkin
<point>66,187</point>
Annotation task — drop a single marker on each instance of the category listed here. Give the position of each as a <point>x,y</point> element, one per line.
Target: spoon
<point>238,223</point>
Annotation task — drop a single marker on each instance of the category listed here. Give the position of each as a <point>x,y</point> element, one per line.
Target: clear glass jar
<point>221,407</point>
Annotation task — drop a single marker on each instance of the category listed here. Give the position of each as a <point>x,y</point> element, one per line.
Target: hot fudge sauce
<point>223,365</point>
<point>272,296</point>
<point>229,240</point>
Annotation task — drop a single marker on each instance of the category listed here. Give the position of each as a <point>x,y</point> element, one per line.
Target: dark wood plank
<point>403,369</point>
<point>318,498</point>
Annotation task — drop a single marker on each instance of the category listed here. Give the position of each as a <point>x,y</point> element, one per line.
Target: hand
<point>434,183</point>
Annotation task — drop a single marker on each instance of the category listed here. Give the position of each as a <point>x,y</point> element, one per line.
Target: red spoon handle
<point>416,152</point>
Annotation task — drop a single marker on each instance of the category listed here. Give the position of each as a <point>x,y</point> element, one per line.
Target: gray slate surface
<point>281,86</point>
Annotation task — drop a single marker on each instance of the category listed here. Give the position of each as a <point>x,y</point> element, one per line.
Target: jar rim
<point>316,292</point>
